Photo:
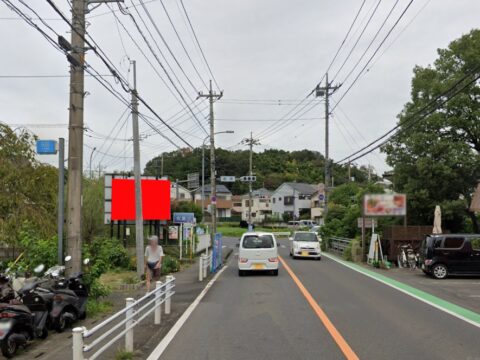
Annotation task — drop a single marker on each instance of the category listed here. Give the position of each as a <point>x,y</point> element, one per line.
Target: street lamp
<point>90,165</point>
<point>203,168</point>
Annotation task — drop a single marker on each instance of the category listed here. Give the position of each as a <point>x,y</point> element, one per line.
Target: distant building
<point>237,208</point>
<point>183,193</point>
<point>318,204</point>
<point>224,200</point>
<point>261,205</point>
<point>293,199</point>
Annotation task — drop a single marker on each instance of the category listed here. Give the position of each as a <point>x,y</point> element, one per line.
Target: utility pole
<point>250,142</point>
<point>75,135</point>
<point>213,188</point>
<point>76,58</point>
<point>326,91</point>
<point>61,203</point>
<point>138,177</point>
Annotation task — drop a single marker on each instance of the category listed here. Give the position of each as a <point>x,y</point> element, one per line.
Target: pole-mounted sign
<point>227,178</point>
<point>46,147</point>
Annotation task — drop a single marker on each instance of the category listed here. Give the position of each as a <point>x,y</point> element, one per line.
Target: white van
<point>305,244</point>
<point>257,252</point>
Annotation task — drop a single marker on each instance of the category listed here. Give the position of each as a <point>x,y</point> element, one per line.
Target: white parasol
<point>437,221</point>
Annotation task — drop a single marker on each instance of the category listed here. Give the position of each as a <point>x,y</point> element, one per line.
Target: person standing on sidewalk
<point>153,260</point>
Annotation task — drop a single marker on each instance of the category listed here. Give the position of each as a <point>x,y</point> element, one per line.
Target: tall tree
<point>436,160</point>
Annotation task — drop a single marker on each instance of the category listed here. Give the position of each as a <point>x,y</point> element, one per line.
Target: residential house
<point>224,200</point>
<point>261,205</point>
<point>292,199</point>
<point>318,204</point>
<point>237,208</point>
<point>179,193</point>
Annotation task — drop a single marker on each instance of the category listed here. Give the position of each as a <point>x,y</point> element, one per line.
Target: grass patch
<point>124,355</point>
<point>98,307</point>
<point>119,277</point>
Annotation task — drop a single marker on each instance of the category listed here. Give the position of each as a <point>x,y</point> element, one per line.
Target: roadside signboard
<point>46,147</point>
<point>193,181</point>
<point>179,218</point>
<point>385,205</point>
<point>368,223</point>
<point>213,199</point>
<point>227,178</point>
<point>217,252</point>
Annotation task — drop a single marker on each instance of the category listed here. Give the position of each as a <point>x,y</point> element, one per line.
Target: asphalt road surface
<point>317,310</point>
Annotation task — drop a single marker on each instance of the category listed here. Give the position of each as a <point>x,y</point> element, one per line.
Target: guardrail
<point>281,233</point>
<point>134,312</point>
<point>339,244</point>
<point>204,265</point>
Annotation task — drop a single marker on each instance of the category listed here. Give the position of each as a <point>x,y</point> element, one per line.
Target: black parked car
<point>451,254</point>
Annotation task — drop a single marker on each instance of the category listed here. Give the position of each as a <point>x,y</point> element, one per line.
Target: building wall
<point>261,208</point>
<point>278,201</point>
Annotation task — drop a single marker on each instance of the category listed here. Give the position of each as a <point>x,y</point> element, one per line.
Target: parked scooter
<point>407,257</point>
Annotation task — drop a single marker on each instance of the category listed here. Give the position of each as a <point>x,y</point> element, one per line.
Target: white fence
<point>204,266</point>
<point>123,322</point>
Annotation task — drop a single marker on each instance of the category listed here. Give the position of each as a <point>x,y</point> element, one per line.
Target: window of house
<point>288,200</point>
<point>302,197</point>
<point>274,200</point>
<point>279,199</point>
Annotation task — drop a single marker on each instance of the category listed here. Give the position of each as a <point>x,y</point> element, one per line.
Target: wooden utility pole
<point>326,91</point>
<point>137,172</point>
<point>75,136</point>
<point>212,96</point>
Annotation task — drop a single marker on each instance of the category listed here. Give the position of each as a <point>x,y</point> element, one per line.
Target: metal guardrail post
<point>205,267</point>
<point>168,299</point>
<point>77,337</point>
<point>158,303</point>
<point>128,324</point>
<point>200,267</point>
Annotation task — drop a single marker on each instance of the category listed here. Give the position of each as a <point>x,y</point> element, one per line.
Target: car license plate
<point>5,325</point>
<point>304,253</point>
<point>258,266</point>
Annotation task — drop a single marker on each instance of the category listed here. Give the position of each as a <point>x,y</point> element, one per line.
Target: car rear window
<point>453,242</point>
<point>258,242</point>
<point>305,237</point>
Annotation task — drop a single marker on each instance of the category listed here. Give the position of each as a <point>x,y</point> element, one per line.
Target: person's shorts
<point>154,273</point>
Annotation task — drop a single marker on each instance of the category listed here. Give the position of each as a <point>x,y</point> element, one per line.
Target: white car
<point>305,244</point>
<point>258,251</point>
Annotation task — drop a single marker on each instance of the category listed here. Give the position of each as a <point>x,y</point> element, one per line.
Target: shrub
<point>110,251</point>
<point>170,264</point>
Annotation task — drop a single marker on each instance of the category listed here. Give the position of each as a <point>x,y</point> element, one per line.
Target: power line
<point>199,46</point>
<point>410,121</point>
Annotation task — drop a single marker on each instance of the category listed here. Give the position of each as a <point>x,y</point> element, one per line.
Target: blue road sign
<point>179,218</point>
<point>46,147</point>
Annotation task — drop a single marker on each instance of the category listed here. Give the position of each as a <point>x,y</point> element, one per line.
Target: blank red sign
<point>155,199</point>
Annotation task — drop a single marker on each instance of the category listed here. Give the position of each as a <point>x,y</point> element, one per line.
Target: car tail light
<point>273,259</point>
<point>243,260</point>
<point>428,261</point>
<point>58,298</point>
<point>7,315</point>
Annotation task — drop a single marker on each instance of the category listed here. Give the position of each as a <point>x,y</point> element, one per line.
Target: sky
<point>265,55</point>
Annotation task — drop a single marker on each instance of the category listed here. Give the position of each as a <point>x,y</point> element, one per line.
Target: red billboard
<point>155,199</point>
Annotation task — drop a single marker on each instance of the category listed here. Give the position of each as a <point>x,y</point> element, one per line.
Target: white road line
<point>158,351</point>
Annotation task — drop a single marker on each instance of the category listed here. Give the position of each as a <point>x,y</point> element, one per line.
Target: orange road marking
<point>337,337</point>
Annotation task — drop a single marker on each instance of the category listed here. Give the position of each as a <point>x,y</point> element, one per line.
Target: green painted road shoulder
<point>443,305</point>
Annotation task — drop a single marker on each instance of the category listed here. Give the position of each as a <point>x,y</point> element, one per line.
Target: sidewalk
<point>146,335</point>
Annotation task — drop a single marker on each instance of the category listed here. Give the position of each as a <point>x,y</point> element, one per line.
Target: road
<point>330,312</point>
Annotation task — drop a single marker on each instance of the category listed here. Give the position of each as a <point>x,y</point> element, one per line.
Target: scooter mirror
<point>68,258</point>
<point>86,261</point>
<point>39,268</point>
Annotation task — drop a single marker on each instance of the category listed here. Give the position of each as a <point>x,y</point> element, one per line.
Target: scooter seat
<point>65,292</point>
<point>15,307</point>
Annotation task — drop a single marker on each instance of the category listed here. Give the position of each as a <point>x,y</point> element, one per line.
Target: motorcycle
<point>407,257</point>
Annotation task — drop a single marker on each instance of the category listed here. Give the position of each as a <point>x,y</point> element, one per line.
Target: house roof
<point>221,189</point>
<point>301,188</point>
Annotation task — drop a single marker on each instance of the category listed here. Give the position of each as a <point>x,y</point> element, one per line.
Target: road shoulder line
<point>457,311</point>
<point>167,339</point>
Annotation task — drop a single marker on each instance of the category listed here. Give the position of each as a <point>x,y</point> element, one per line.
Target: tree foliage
<point>436,160</point>
<point>28,189</point>
<point>272,167</point>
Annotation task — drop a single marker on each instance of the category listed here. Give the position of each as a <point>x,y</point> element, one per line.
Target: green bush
<point>110,251</point>
<point>170,264</point>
